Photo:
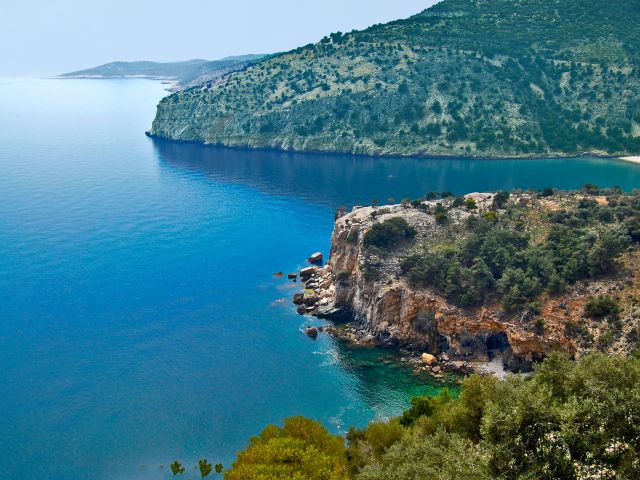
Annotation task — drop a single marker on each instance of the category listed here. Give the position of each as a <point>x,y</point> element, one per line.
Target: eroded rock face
<point>365,287</point>
<point>385,307</point>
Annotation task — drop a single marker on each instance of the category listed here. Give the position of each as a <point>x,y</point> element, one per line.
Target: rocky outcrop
<point>312,332</point>
<point>384,309</point>
<point>316,258</point>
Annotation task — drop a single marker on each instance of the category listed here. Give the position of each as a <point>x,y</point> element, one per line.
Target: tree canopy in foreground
<point>568,420</point>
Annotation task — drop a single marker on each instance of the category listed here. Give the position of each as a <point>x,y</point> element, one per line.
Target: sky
<point>47,37</point>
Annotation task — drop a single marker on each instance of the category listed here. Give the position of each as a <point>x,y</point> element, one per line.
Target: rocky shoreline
<point>318,300</point>
<point>434,334</point>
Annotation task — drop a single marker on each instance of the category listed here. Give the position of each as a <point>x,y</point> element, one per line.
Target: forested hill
<point>485,77</point>
<point>572,30</point>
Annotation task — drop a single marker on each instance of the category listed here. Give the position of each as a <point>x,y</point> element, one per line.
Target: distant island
<point>184,74</point>
<point>492,78</point>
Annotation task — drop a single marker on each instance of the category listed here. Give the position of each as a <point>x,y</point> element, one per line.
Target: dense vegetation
<point>389,233</point>
<point>482,77</point>
<point>515,253</point>
<point>569,420</point>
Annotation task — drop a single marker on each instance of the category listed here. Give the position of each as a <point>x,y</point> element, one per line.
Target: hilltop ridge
<point>477,78</point>
<point>187,73</point>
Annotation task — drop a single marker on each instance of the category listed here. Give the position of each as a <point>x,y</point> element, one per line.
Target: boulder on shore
<point>307,272</point>
<point>302,310</point>
<point>316,258</point>
<point>429,359</point>
<point>298,298</point>
<point>310,300</point>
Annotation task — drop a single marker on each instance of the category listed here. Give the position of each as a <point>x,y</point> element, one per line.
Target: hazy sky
<point>56,36</point>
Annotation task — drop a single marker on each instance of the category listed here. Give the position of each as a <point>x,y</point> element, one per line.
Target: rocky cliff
<point>369,288</point>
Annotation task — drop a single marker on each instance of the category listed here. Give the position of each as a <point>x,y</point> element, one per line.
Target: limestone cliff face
<point>387,310</point>
<point>395,313</point>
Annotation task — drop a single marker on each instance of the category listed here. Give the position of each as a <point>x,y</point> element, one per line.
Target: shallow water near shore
<point>140,319</point>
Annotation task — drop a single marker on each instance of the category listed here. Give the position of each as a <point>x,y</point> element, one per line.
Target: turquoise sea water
<point>139,319</point>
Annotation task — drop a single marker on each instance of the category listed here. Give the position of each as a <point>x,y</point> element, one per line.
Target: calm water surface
<point>139,318</point>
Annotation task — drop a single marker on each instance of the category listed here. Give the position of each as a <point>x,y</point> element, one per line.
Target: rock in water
<point>307,272</point>
<point>316,258</point>
<point>278,274</point>
<point>310,300</point>
<point>312,332</point>
<point>292,276</point>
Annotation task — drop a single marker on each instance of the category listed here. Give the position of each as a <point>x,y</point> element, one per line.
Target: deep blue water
<point>139,319</point>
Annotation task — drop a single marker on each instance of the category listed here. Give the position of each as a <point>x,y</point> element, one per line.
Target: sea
<point>140,318</point>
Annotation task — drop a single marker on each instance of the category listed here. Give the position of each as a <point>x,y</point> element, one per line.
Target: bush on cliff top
<point>388,233</point>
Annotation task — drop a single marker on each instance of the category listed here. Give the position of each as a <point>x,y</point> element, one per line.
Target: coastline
<point>173,84</point>
<point>631,159</point>
<point>443,156</point>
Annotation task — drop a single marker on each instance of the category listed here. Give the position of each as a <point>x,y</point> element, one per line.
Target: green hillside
<point>490,77</point>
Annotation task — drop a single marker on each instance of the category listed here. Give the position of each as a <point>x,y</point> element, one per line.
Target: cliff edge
<point>486,275</point>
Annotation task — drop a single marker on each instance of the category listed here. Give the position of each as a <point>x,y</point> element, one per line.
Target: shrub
<point>440,213</point>
<point>441,217</point>
<point>500,199</point>
<point>491,216</point>
<point>369,445</point>
<point>421,406</point>
<point>432,196</point>
<point>301,449</point>
<point>591,188</point>
<point>602,306</point>
<point>457,202</point>
<point>633,228</point>
<point>539,326</point>
<point>343,277</point>
<point>388,233</point>
<point>443,456</point>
